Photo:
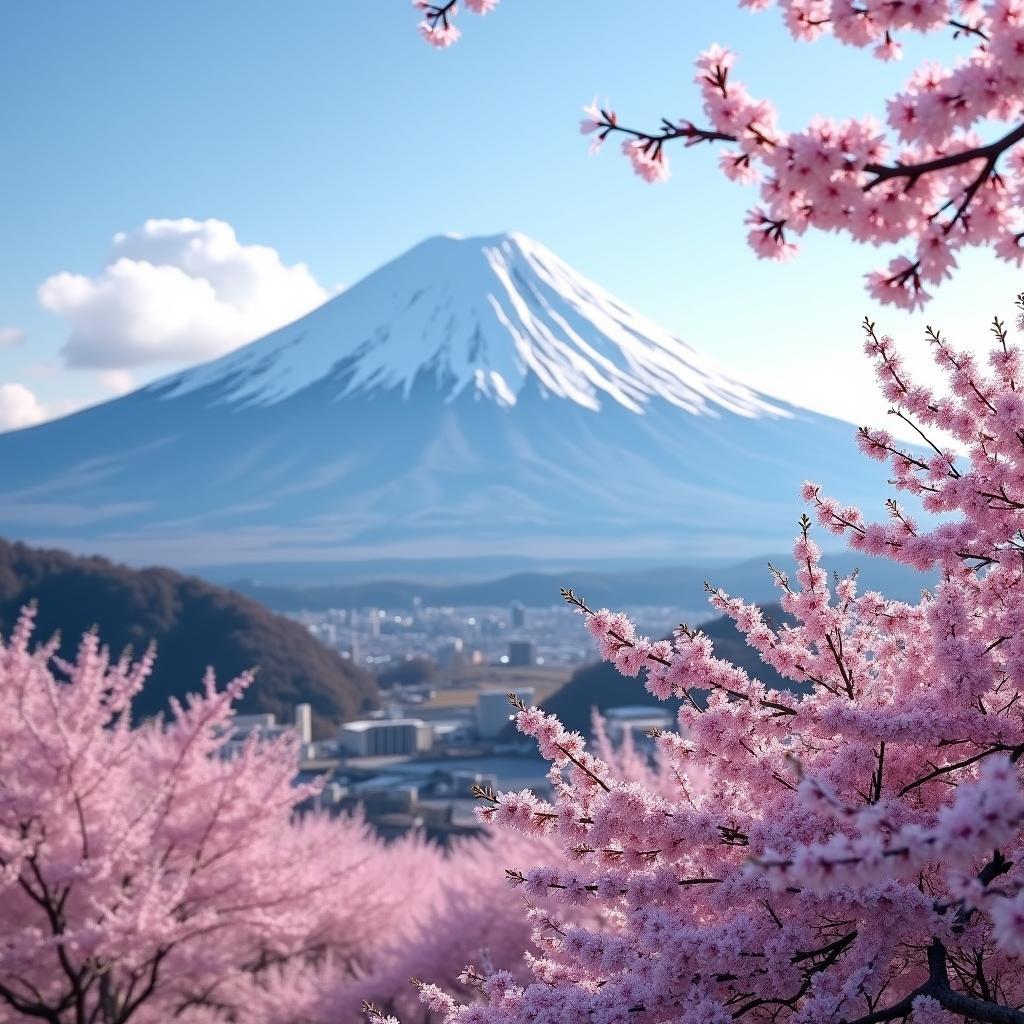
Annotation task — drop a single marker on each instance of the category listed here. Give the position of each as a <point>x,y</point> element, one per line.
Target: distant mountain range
<point>473,399</point>
<point>681,587</point>
<point>194,625</point>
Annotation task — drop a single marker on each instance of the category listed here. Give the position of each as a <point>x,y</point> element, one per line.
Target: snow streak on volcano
<point>485,314</point>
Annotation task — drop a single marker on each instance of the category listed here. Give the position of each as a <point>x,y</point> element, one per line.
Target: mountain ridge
<point>680,587</point>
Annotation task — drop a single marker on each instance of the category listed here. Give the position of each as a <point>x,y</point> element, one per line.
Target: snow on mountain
<point>481,314</point>
<point>475,399</point>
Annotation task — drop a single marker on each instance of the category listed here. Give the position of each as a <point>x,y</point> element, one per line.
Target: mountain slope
<point>486,315</point>
<point>473,398</point>
<point>193,624</point>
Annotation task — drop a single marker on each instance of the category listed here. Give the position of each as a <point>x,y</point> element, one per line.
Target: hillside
<point>194,625</point>
<point>601,686</point>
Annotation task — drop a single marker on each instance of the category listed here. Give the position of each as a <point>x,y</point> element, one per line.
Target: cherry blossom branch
<point>839,176</point>
<point>938,987</point>
<point>962,28</point>
<point>728,834</point>
<point>990,153</point>
<point>945,769</point>
<point>516,877</point>
<point>573,599</point>
<point>606,123</point>
<point>907,891</point>
<point>438,27</point>
<point>649,163</point>
<point>832,953</point>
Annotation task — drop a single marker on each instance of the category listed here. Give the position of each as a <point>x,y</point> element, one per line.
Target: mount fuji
<point>473,399</point>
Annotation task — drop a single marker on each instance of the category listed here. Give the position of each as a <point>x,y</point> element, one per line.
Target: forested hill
<point>194,625</point>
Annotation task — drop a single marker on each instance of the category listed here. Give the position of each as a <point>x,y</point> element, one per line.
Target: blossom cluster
<point>142,875</point>
<point>846,847</point>
<point>145,876</point>
<point>945,170</point>
<point>438,25</point>
<point>924,177</point>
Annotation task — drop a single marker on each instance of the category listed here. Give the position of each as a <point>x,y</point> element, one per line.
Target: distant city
<point>454,638</point>
<point>445,725</point>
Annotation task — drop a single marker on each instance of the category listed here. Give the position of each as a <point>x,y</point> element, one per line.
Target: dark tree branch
<point>991,152</point>
<point>938,988</point>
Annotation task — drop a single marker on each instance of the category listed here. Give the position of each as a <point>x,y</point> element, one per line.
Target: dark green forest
<point>193,624</point>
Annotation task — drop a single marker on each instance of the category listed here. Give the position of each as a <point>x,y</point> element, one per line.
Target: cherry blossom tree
<point>145,877</point>
<point>477,910</point>
<point>852,855</point>
<point>943,172</point>
<point>469,915</point>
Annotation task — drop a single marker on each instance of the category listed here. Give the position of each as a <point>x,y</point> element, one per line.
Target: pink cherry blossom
<point>846,848</point>
<point>944,172</point>
<point>648,160</point>
<point>441,36</point>
<point>438,27</point>
<point>146,877</point>
<point>140,868</point>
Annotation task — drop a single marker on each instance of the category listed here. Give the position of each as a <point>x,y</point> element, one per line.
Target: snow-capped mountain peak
<point>486,314</point>
<point>476,401</point>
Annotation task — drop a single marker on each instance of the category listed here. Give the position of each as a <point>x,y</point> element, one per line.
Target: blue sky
<point>329,131</point>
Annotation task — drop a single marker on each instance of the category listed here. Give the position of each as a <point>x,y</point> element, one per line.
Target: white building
<point>304,723</point>
<point>377,737</point>
<point>266,727</point>
<point>493,710</point>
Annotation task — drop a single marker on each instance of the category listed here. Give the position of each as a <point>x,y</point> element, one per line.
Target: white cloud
<point>177,291</point>
<point>11,336</point>
<point>19,407</point>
